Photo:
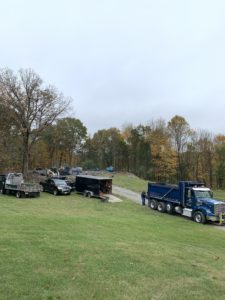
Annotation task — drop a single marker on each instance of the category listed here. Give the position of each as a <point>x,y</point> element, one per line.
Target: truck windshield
<point>203,194</point>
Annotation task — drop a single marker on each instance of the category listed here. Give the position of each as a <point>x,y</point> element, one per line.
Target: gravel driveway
<point>135,197</point>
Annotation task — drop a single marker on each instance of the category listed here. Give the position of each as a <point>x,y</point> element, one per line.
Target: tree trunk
<point>25,154</point>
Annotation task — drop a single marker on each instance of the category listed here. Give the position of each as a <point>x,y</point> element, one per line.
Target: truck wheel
<point>161,207</point>
<point>199,217</point>
<point>153,204</point>
<point>18,194</point>
<point>55,192</point>
<point>89,195</point>
<point>169,208</point>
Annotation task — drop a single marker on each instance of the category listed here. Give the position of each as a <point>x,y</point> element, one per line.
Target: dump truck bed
<point>164,192</point>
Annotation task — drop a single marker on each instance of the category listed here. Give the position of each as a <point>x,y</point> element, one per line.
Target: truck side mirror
<point>211,194</point>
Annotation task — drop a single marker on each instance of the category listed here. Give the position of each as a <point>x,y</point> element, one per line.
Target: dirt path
<point>136,197</point>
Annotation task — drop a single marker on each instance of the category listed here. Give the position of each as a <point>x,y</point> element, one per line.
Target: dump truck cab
<point>199,199</point>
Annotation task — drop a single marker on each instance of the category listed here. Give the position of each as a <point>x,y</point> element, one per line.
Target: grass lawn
<point>71,247</point>
<point>130,181</point>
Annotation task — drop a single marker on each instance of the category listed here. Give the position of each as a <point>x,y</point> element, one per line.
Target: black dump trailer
<point>94,186</point>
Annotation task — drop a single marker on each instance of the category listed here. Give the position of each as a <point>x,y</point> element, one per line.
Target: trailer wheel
<point>18,194</point>
<point>153,204</point>
<point>169,208</point>
<point>161,207</point>
<point>199,217</point>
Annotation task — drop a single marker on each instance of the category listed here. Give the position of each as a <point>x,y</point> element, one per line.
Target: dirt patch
<point>113,199</point>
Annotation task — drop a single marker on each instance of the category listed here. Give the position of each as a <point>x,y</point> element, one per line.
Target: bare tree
<point>32,107</point>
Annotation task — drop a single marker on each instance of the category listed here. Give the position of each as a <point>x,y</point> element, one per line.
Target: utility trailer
<point>189,198</point>
<point>94,186</point>
<point>13,183</point>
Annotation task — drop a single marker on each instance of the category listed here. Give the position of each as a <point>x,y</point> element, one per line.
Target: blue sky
<point>124,61</point>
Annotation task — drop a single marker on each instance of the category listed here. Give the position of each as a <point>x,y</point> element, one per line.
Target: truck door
<point>191,201</point>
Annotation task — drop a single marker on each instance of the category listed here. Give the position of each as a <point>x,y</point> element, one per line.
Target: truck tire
<point>153,204</point>
<point>169,208</point>
<point>55,192</point>
<point>199,217</point>
<point>161,207</point>
<point>89,195</point>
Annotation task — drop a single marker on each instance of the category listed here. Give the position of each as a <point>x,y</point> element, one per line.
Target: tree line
<point>35,131</point>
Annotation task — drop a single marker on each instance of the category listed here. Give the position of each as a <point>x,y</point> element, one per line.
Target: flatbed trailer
<point>12,183</point>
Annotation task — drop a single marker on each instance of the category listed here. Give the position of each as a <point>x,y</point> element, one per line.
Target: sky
<point>127,61</point>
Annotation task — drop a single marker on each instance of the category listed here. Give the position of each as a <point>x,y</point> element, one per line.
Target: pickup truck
<point>13,183</point>
<point>56,186</point>
<point>189,198</point>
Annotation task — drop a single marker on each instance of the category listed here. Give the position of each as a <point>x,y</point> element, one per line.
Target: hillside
<point>71,247</point>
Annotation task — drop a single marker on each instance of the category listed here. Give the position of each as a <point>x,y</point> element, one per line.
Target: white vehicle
<point>13,183</point>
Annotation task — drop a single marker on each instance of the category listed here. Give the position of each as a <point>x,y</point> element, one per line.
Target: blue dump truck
<point>191,199</point>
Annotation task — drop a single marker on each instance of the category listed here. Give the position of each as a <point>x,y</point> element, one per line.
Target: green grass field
<point>130,181</point>
<point>71,247</point>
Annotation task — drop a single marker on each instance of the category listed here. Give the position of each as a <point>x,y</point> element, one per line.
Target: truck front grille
<point>219,208</point>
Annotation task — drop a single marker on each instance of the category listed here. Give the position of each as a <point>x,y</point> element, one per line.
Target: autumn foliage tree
<point>108,148</point>
<point>32,106</point>
<point>179,131</point>
<point>220,160</point>
<point>163,163</point>
<point>65,141</point>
